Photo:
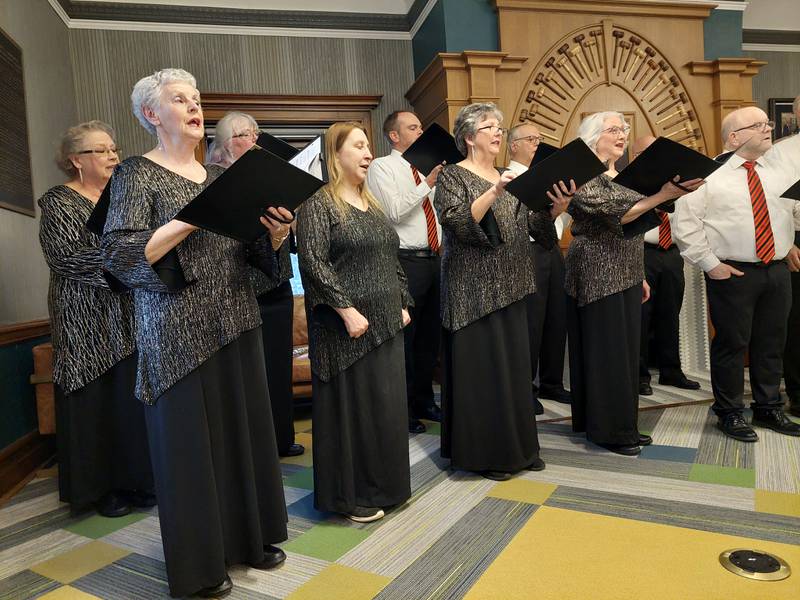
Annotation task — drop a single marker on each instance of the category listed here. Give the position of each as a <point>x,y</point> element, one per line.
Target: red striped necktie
<point>664,231</point>
<point>430,217</point>
<point>765,242</point>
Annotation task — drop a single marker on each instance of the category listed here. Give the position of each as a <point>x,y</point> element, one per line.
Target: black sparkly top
<point>263,283</point>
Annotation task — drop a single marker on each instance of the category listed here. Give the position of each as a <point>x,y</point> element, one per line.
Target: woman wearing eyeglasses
<point>488,423</point>
<point>605,287</point>
<point>103,457</point>
<point>235,134</point>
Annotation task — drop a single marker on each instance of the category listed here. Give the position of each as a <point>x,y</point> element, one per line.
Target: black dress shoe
<point>538,408</point>
<point>645,389</point>
<point>416,426</point>
<point>218,591</point>
<point>113,505</point>
<point>496,475</point>
<point>679,382</point>
<point>273,556</point>
<point>645,440</point>
<point>559,395</point>
<point>293,450</point>
<point>430,413</point>
<point>776,420</point>
<point>623,449</point>
<point>536,465</point>
<point>736,427</point>
<point>141,498</point>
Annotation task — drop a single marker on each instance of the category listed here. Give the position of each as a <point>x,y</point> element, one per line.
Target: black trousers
<point>547,318</point>
<point>748,313</point>
<point>660,323</point>
<point>277,311</point>
<point>423,333</point>
<point>791,354</point>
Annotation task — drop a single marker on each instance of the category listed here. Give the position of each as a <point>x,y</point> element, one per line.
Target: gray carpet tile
<point>26,584</point>
<point>716,448</point>
<point>619,464</point>
<point>34,527</point>
<point>34,489</point>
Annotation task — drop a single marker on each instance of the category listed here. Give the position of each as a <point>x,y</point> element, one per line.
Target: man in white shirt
<point>788,150</point>
<point>663,267</point>
<point>547,308</point>
<point>739,231</point>
<point>407,199</point>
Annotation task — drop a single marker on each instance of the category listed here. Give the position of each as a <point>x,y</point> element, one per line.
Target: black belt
<point>754,265</point>
<point>427,253</point>
<point>657,247</point>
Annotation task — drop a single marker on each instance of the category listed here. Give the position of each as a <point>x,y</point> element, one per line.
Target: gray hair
<point>796,107</point>
<point>72,140</point>
<point>147,92</point>
<point>592,126</point>
<point>227,127</point>
<point>467,120</point>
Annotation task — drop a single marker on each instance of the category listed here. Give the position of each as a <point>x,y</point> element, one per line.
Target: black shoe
<point>363,514</point>
<point>293,450</point>
<point>734,426</point>
<point>538,408</point>
<point>496,475</point>
<point>430,413</point>
<point>623,449</point>
<point>113,505</point>
<point>679,382</point>
<point>141,499</point>
<point>559,395</point>
<point>217,591</point>
<point>536,465</point>
<point>273,556</point>
<point>416,426</point>
<point>776,420</point>
<point>645,440</point>
<point>645,389</point>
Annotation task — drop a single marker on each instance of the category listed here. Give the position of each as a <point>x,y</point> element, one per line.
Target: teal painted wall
<point>722,34</point>
<point>430,39</point>
<point>18,414</point>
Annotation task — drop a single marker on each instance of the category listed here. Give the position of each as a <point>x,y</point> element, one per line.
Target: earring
<point>80,175</point>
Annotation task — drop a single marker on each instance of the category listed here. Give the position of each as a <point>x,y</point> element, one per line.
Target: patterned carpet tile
<point>327,541</point>
<point>142,537</point>
<point>31,552</point>
<point>76,563</point>
<point>715,448</point>
<point>281,582</point>
<point>97,526</point>
<point>35,526</point>
<point>607,461</point>
<point>26,584</point>
<point>15,512</point>
<point>682,428</point>
<point>37,487</point>
<point>450,567</point>
<point>778,459</point>
<point>670,453</point>
<point>337,582</point>
<point>758,526</point>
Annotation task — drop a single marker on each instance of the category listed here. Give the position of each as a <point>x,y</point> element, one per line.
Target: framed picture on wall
<point>780,111</point>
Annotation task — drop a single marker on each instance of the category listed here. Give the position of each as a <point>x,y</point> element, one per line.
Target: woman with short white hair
<point>201,364</point>
<point>605,289</point>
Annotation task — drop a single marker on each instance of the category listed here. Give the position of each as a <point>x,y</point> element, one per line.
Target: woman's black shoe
<point>645,440</point>
<point>496,475</point>
<point>273,556</point>
<point>536,465</point>
<point>293,450</point>
<point>113,505</point>
<point>217,591</point>
<point>623,449</point>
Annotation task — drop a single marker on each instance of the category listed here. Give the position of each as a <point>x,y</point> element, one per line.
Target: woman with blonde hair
<point>356,302</point>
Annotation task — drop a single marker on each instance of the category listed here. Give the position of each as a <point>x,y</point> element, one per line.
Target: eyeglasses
<point>253,133</point>
<point>100,151</point>
<point>534,139</point>
<point>624,130</point>
<point>762,126</point>
<point>494,129</point>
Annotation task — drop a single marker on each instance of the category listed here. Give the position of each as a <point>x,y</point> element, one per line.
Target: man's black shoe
<point>293,450</point>
<point>645,440</point>
<point>416,426</point>
<point>623,449</point>
<point>430,413</point>
<point>538,407</point>
<point>496,475</point>
<point>217,591</point>
<point>736,427</point>
<point>536,465</point>
<point>559,395</point>
<point>645,389</point>
<point>113,505</point>
<point>273,556</point>
<point>680,381</point>
<point>776,420</point>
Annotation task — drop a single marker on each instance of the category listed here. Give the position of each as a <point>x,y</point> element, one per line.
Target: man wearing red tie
<point>739,231</point>
<point>407,199</point>
<point>663,267</point>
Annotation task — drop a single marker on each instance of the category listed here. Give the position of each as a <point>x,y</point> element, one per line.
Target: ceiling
<point>397,7</point>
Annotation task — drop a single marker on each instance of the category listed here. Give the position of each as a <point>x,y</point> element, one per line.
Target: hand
<point>505,177</point>
<point>185,227</point>
<point>677,188</point>
<point>645,291</point>
<point>561,200</point>
<point>723,271</point>
<point>273,220</point>
<point>793,259</point>
<point>406,317</point>
<point>354,321</point>
<point>433,175</point>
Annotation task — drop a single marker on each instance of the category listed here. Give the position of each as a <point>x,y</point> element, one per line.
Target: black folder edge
<point>434,130</point>
<point>793,192</point>
<point>641,225</point>
<point>277,146</point>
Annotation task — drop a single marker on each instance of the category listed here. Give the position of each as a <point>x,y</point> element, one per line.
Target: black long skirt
<point>488,419</point>
<point>604,341</point>
<point>218,480</point>
<point>360,420</point>
<point>277,312</point>
<point>101,438</point>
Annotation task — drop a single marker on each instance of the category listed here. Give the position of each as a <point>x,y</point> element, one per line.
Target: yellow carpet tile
<point>68,593</point>
<point>81,561</point>
<point>523,490</point>
<point>778,503</point>
<point>338,582</point>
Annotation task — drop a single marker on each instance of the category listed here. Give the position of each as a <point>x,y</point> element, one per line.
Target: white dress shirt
<point>715,223</point>
<point>391,181</point>
<point>563,220</point>
<point>651,236</point>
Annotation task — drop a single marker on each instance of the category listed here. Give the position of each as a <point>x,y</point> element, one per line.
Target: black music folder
<point>232,204</point>
<point>644,223</point>
<point>793,192</point>
<point>661,162</point>
<point>432,148</point>
<point>277,146</point>
<point>574,161</point>
<point>543,151</point>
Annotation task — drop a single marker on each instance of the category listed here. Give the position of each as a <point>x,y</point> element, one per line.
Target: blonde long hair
<point>334,140</point>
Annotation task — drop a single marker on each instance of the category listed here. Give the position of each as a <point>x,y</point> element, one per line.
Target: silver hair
<point>592,126</point>
<point>466,124</point>
<point>796,107</point>
<point>227,127</point>
<point>72,140</point>
<point>147,92</point>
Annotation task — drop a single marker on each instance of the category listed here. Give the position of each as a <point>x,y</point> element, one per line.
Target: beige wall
<point>780,78</point>
<point>50,103</point>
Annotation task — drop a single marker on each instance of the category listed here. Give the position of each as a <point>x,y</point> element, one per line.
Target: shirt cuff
<point>423,189</point>
<point>708,263</point>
